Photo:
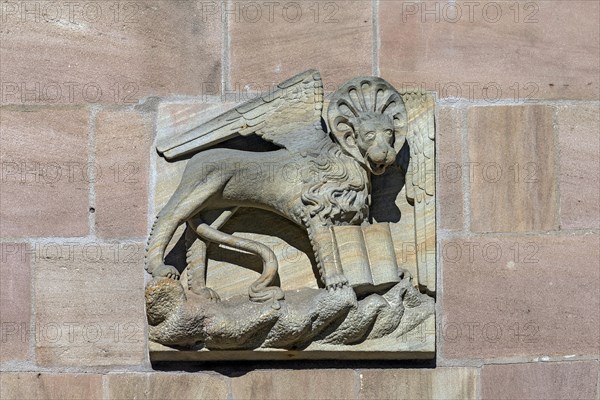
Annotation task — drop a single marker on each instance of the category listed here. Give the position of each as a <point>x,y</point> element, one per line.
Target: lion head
<point>368,119</point>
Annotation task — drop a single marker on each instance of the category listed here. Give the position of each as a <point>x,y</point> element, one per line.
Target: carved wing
<point>420,181</point>
<point>277,116</point>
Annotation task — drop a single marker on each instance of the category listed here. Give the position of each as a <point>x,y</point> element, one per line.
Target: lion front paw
<point>207,293</point>
<point>336,281</point>
<point>167,271</point>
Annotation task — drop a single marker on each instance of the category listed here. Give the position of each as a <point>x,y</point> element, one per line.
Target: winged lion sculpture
<point>368,122</point>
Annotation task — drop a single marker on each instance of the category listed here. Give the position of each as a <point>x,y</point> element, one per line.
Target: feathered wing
<point>277,117</point>
<point>420,182</point>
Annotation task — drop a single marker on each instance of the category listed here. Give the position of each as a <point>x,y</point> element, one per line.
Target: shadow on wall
<point>241,368</point>
<point>386,188</point>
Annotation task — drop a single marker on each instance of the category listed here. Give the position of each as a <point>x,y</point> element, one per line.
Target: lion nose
<point>379,155</point>
<point>383,157</point>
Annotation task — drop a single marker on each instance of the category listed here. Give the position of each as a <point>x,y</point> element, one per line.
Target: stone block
<point>89,304</point>
<point>123,142</point>
<point>157,385</point>
<point>49,386</point>
<point>409,384</point>
<point>519,296</point>
<point>295,384</point>
<point>492,50</point>
<point>336,38</point>
<point>546,380</point>
<point>512,169</point>
<point>450,169</point>
<point>112,53</point>
<point>578,128</point>
<point>45,174</point>
<point>15,302</point>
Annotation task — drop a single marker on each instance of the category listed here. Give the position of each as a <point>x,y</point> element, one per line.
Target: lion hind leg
<point>160,235</point>
<point>178,210</point>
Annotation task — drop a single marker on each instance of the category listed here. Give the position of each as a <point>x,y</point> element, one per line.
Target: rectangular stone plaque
<point>295,226</point>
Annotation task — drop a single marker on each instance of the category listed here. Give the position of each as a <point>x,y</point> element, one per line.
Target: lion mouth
<point>376,168</point>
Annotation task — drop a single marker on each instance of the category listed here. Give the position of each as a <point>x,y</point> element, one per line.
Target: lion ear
<point>348,144</point>
<point>345,135</point>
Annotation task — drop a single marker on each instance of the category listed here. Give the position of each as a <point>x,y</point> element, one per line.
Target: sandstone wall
<point>85,84</point>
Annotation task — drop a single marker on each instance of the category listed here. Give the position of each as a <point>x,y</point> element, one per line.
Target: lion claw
<point>166,271</point>
<point>337,281</point>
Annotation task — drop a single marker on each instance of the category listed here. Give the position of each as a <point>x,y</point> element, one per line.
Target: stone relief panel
<point>295,226</point>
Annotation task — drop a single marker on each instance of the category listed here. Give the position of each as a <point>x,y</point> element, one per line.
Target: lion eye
<point>388,132</point>
<point>370,135</point>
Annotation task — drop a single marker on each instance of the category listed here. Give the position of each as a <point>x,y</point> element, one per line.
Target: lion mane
<point>338,191</point>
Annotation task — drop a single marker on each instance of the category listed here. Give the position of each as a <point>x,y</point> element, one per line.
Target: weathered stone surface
<point>450,170</point>
<point>89,304</point>
<point>512,170</point>
<point>176,117</point>
<point>15,301</point>
<point>520,296</point>
<point>173,119</point>
<point>490,50</point>
<point>107,52</point>
<point>578,128</point>
<point>157,385</point>
<point>317,181</point>
<point>303,320</point>
<point>45,181</point>
<point>334,37</point>
<point>556,380</point>
<point>122,150</point>
<point>45,386</point>
<point>438,383</point>
<point>295,384</point>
